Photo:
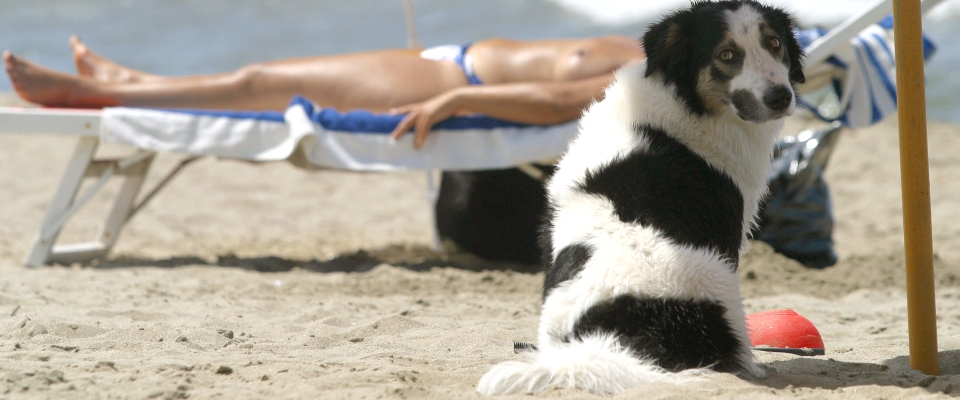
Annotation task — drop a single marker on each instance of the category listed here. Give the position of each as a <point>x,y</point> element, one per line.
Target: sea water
<point>182,37</point>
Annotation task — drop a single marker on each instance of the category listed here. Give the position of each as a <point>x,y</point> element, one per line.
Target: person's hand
<point>422,117</point>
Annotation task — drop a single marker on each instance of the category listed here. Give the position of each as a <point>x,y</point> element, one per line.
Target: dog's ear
<point>784,24</point>
<point>794,53</point>
<point>666,44</point>
<point>670,46</point>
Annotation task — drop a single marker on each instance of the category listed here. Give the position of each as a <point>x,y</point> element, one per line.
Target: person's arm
<point>541,103</point>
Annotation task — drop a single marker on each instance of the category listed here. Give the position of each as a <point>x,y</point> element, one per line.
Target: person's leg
<point>100,68</point>
<point>375,81</point>
<point>43,86</point>
<point>51,88</point>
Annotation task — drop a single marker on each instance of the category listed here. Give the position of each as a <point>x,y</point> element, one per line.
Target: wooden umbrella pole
<point>915,184</point>
<point>412,41</point>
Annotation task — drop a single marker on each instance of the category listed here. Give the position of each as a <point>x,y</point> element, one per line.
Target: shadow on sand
<point>826,373</point>
<point>414,258</point>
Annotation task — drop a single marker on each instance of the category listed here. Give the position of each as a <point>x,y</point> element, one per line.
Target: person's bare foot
<point>100,68</point>
<point>47,87</point>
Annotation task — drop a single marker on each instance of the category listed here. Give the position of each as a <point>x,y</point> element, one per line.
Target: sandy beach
<point>244,281</point>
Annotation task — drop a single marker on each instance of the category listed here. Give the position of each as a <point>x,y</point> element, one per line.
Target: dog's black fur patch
<point>675,334</point>
<point>670,188</point>
<point>568,264</point>
<point>545,237</point>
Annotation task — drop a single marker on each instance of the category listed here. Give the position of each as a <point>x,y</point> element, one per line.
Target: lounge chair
<point>306,136</point>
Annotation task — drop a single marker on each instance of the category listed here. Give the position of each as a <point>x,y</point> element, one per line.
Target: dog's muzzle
<point>778,98</point>
<point>776,102</point>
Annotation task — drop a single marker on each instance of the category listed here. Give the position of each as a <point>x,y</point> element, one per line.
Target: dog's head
<point>740,55</point>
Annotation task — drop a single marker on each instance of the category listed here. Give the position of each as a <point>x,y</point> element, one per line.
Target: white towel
<point>326,138</point>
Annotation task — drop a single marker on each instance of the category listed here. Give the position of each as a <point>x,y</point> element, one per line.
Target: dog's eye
<point>774,43</point>
<point>726,55</point>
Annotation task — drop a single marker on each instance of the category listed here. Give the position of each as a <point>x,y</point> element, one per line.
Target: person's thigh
<point>375,81</point>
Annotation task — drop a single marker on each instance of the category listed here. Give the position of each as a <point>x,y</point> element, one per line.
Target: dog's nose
<point>778,98</point>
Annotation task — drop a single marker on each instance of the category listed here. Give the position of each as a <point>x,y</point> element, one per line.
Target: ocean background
<point>183,37</point>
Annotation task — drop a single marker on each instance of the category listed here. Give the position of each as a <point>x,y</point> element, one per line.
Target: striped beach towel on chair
<point>861,77</point>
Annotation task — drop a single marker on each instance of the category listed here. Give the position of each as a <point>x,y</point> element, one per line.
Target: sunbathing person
<point>537,82</point>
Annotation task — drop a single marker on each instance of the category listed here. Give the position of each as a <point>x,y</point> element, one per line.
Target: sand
<point>264,281</point>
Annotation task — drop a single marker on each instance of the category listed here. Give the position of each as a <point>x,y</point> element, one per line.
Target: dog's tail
<point>597,364</point>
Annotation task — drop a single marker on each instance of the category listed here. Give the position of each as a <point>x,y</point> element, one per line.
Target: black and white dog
<point>651,207</point>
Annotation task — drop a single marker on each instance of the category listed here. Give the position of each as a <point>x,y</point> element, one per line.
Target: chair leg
<point>124,205</point>
<point>62,200</point>
<point>67,202</point>
<point>433,193</point>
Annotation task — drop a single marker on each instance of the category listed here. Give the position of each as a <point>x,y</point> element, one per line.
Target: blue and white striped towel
<point>864,78</point>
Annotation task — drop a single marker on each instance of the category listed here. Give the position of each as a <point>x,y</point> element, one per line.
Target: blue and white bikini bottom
<point>456,53</point>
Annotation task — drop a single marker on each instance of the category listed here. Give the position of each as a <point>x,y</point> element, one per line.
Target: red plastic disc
<point>783,329</point>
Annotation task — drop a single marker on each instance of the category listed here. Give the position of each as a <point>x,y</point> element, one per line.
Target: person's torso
<point>504,60</point>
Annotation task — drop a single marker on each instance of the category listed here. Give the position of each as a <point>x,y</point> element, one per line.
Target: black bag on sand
<point>797,217</point>
<point>496,214</point>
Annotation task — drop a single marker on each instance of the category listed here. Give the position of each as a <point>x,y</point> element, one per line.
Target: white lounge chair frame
<point>83,164</point>
<point>85,124</point>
